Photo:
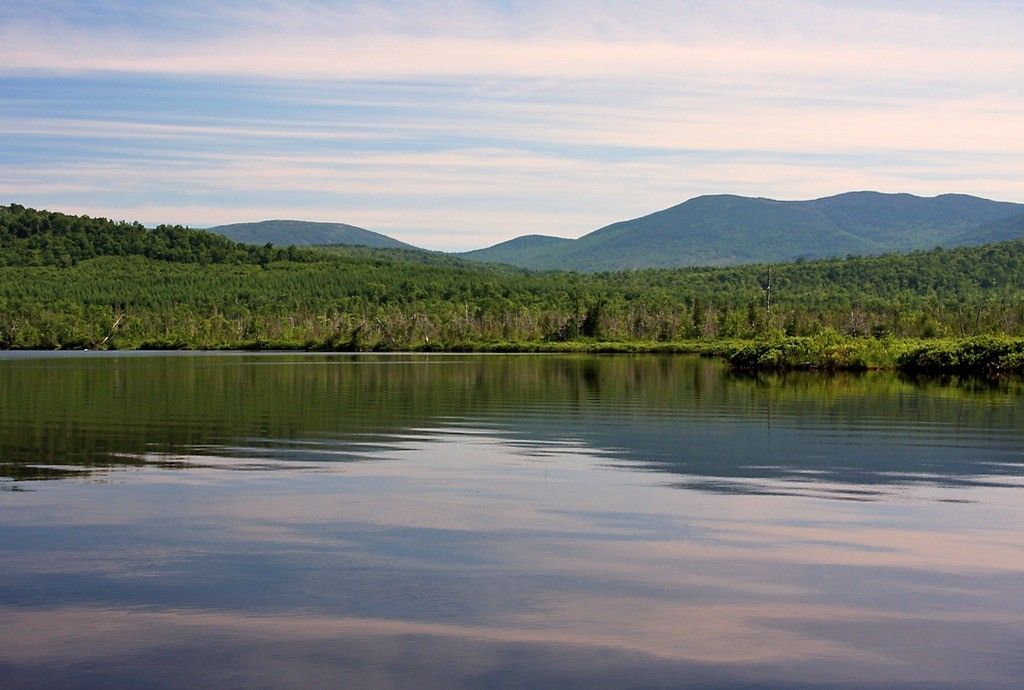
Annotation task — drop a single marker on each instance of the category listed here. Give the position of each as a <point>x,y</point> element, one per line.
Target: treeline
<point>68,281</point>
<point>44,238</point>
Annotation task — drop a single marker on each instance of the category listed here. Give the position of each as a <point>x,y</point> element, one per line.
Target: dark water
<point>493,521</point>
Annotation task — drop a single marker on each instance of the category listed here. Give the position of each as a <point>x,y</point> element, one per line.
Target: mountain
<point>528,248</point>
<point>1001,230</point>
<point>718,230</point>
<point>301,232</point>
<point>905,221</point>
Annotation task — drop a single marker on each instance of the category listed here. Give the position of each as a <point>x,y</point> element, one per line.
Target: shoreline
<point>828,352</point>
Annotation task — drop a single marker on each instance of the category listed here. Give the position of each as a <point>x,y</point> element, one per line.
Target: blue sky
<point>460,124</point>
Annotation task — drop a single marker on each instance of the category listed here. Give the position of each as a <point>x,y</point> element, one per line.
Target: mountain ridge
<point>713,230</point>
<point>729,229</point>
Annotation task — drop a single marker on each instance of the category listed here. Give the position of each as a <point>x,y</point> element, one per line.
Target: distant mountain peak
<point>283,232</point>
<point>721,229</point>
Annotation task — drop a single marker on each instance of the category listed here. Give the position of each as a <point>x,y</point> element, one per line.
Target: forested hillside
<point>1002,230</point>
<point>76,282</point>
<point>43,238</point>
<point>725,229</point>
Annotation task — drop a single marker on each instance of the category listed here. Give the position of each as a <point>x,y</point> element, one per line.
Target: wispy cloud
<point>458,125</point>
<point>311,53</point>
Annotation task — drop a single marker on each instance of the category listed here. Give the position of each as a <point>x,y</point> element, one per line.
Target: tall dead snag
<point>766,286</point>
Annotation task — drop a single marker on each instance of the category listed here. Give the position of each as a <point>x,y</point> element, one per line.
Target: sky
<point>455,125</point>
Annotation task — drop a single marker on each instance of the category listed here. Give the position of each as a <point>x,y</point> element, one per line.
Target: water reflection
<point>68,416</point>
<point>504,522</point>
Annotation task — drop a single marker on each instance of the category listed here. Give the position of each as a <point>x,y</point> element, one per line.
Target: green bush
<point>989,355</point>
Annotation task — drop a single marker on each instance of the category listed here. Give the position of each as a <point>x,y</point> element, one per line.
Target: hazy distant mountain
<point>728,229</point>
<point>528,248</point>
<point>1001,230</point>
<point>300,232</point>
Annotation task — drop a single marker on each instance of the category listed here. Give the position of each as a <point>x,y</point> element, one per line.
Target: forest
<point>78,282</point>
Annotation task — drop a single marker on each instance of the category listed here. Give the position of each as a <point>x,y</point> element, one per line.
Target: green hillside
<point>528,249</point>
<point>30,238</point>
<point>905,221</point>
<point>301,232</point>
<point>69,281</point>
<point>1001,230</point>
<point>725,230</point>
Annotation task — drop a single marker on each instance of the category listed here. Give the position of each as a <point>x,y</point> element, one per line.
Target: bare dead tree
<point>766,286</point>
<point>110,334</point>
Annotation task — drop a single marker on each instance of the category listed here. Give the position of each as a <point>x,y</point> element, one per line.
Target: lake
<point>281,520</point>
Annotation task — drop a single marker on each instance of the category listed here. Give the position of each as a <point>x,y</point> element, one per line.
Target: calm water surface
<point>503,521</point>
